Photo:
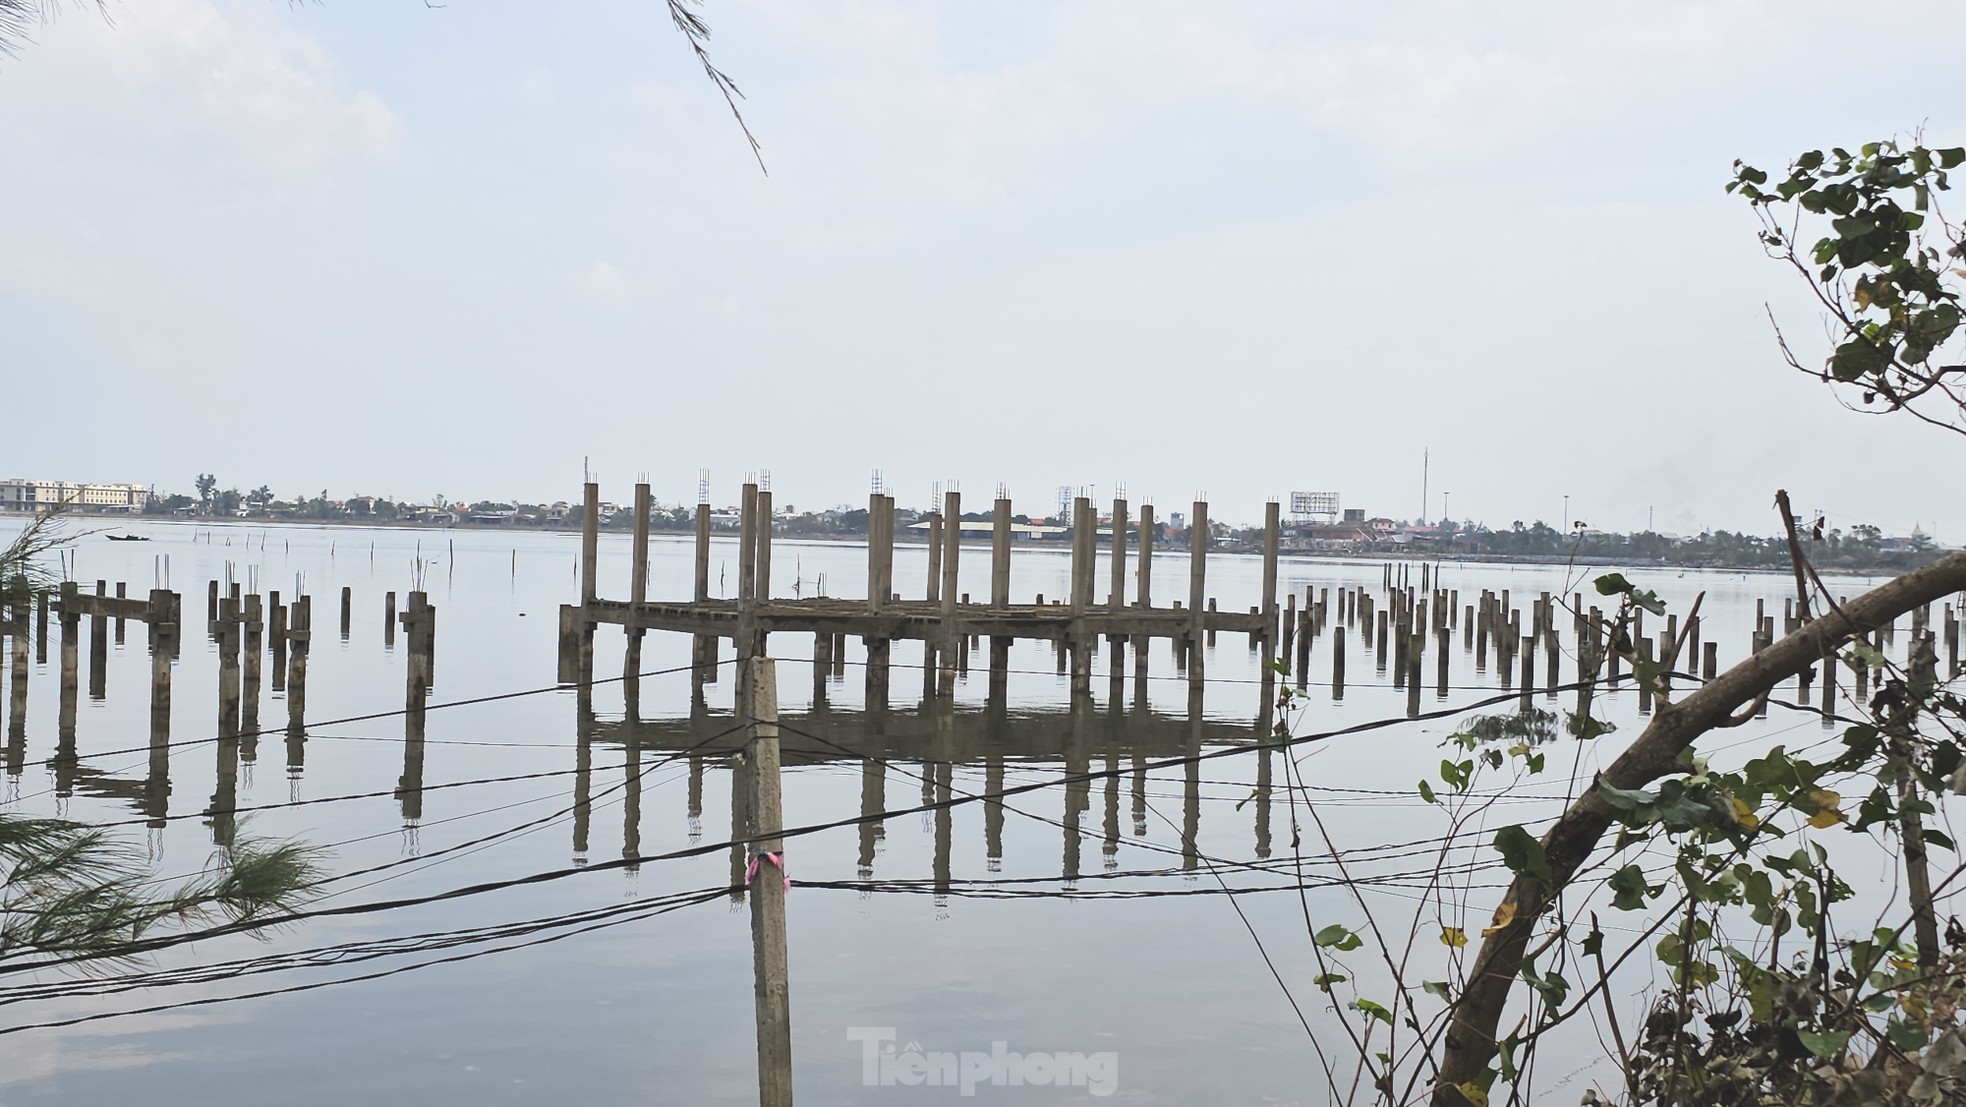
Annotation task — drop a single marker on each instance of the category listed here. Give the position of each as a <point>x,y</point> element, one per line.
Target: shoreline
<point>902,540</point>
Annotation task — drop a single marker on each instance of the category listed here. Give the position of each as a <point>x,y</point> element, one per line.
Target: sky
<point>1226,249</point>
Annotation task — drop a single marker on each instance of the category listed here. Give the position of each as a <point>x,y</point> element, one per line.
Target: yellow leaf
<point>1453,936</point>
<point>1504,915</point>
<point>1826,803</point>
<point>1745,815</point>
<point>1474,1095</point>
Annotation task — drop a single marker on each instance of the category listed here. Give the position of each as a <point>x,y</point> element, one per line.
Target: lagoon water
<point>1070,919</point>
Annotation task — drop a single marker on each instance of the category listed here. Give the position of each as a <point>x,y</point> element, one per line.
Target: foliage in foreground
<point>75,892</point>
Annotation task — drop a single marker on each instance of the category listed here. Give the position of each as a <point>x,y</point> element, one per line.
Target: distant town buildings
<point>46,495</point>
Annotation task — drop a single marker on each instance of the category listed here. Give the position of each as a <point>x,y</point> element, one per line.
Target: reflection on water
<point>1081,911</point>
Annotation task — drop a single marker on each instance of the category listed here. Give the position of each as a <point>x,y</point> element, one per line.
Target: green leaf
<point>1629,888</point>
<point>1372,1009</point>
<point>1339,938</point>
<point>1612,584</point>
<point>1523,854</point>
<point>1908,1036</point>
<point>1951,157</point>
<point>1324,981</point>
<point>1438,988</point>
<point>1427,792</point>
<point>1826,1044</point>
<point>1855,359</point>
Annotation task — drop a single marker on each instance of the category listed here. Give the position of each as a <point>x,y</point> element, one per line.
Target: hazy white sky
<point>1240,248</point>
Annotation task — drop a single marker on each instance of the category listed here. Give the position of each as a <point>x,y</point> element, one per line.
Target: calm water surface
<point>1071,919</point>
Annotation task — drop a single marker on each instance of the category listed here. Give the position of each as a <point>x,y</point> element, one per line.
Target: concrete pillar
<point>71,624</point>
<point>1000,553</point>
<point>880,552</point>
<point>1272,531</point>
<point>252,648</point>
<point>590,544</point>
<point>99,647</point>
<point>1197,587</point>
<point>702,590</point>
<point>947,646</point>
<point>747,567</point>
<point>768,938</point>
<point>638,581</point>
<point>1083,525</point>
<point>761,586</point>
<point>1116,595</point>
<point>17,687</point>
<point>952,535</point>
<point>300,635</point>
<point>933,591</point>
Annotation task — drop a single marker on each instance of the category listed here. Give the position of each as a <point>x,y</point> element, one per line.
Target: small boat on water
<point>128,538</point>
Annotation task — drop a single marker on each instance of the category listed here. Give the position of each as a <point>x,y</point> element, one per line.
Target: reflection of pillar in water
<point>224,812</point>
<point>631,802</point>
<point>822,666</point>
<point>1110,846</point>
<point>1139,793</point>
<point>1266,701</point>
<point>877,674</point>
<point>583,768</point>
<point>157,779</point>
<point>1191,784</point>
<point>993,811</point>
<point>1078,797</point>
<point>1263,801</point>
<point>944,772</point>
<point>693,812</point>
<point>873,800</point>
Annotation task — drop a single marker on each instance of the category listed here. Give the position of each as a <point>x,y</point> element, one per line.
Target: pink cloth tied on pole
<point>778,859</point>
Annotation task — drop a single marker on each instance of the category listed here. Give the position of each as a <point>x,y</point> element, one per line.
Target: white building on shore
<point>44,495</point>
